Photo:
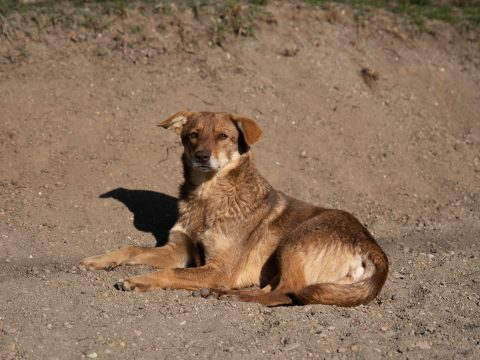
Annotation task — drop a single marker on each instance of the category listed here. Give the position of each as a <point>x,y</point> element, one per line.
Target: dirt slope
<point>401,150</point>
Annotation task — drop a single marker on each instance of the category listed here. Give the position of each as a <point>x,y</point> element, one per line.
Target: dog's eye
<point>222,136</point>
<point>193,135</point>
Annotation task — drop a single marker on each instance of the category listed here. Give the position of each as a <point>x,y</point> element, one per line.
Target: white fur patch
<point>357,270</point>
<point>217,164</point>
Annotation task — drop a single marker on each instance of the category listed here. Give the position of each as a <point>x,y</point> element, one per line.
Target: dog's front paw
<point>133,284</point>
<point>99,262</point>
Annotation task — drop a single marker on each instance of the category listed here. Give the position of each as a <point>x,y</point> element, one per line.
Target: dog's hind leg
<point>227,293</point>
<point>272,298</point>
<point>177,253</point>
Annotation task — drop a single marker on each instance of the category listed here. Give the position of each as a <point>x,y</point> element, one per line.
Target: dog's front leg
<point>207,276</point>
<point>177,253</point>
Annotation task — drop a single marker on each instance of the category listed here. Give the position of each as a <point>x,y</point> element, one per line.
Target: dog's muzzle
<point>201,160</point>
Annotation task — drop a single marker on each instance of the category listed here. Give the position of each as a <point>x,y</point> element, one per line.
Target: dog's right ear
<point>249,128</point>
<point>176,121</point>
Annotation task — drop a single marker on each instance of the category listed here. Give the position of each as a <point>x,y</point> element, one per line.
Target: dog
<point>239,237</point>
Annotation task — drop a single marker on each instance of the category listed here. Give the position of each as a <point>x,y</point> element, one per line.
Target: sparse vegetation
<point>451,11</point>
<point>238,16</point>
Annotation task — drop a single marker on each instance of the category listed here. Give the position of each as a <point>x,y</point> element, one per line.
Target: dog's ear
<point>249,128</point>
<point>176,121</point>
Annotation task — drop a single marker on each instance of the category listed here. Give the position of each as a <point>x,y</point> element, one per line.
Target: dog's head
<point>212,140</point>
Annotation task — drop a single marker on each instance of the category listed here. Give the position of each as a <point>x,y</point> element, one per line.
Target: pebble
<point>9,330</point>
<point>196,293</point>
<point>397,275</point>
<point>303,154</point>
<point>204,292</point>
<point>92,355</point>
<point>395,296</point>
<point>292,347</point>
<point>49,326</point>
<point>354,348</point>
<point>288,52</point>
<point>423,345</point>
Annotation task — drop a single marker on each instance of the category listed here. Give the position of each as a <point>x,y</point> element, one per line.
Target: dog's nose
<point>202,156</point>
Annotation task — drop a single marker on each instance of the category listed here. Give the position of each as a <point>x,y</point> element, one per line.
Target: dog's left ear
<point>176,121</point>
<point>249,128</point>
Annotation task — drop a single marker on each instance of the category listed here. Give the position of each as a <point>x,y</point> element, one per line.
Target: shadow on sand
<point>153,212</point>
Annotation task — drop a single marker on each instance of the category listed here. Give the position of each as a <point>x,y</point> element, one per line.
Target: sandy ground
<point>84,169</point>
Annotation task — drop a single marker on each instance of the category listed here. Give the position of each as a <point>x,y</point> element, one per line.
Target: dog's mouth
<point>202,167</point>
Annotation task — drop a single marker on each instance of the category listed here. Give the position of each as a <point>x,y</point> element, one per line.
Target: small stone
<point>288,52</point>
<point>354,348</point>
<point>204,292</point>
<point>303,154</point>
<point>284,340</point>
<point>395,296</point>
<point>292,347</point>
<point>9,330</point>
<point>397,275</point>
<point>423,345</point>
<point>108,351</point>
<point>49,326</point>
<point>184,322</point>
<point>92,355</point>
<point>196,293</point>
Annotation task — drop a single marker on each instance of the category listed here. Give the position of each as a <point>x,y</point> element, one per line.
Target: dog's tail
<point>354,294</point>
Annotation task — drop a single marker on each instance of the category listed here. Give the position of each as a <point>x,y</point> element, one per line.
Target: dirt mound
<point>359,113</point>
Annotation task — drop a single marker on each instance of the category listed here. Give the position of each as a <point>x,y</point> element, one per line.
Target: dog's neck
<point>198,183</point>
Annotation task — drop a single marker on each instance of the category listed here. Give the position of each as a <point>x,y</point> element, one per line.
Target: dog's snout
<point>202,156</point>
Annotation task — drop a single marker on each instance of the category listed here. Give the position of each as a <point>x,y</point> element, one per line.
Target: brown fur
<point>238,231</point>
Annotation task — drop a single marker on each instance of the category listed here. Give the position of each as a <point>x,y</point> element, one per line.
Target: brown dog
<point>235,230</point>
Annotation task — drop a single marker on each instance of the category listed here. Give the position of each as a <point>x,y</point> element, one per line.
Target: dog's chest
<point>212,222</point>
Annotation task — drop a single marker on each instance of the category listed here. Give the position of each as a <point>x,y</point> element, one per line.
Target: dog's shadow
<point>153,212</point>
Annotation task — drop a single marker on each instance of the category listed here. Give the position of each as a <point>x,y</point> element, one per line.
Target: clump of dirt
<point>84,169</point>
